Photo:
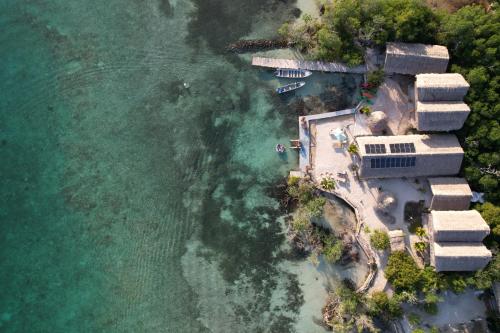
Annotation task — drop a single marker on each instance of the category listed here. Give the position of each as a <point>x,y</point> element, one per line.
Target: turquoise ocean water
<point>128,202</point>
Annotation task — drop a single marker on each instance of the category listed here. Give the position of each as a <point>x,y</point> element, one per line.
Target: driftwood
<point>248,45</point>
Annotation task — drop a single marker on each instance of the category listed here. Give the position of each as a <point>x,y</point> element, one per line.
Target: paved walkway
<point>309,65</point>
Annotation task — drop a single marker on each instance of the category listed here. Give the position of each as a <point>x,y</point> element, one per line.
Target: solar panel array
<point>402,147</point>
<point>375,148</point>
<point>392,162</point>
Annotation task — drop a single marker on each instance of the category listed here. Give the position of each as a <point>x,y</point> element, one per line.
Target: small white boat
<point>290,87</point>
<point>292,73</point>
<point>280,148</point>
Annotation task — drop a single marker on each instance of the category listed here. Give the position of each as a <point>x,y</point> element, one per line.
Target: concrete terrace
<point>324,158</point>
<point>309,65</point>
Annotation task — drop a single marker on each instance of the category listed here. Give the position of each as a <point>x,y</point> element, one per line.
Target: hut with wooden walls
<point>457,226</point>
<point>449,193</point>
<point>412,59</point>
<point>409,155</point>
<point>440,87</point>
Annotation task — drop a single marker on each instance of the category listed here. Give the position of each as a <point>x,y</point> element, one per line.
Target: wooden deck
<point>310,65</point>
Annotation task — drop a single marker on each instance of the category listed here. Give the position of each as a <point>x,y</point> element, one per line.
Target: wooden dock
<point>310,65</point>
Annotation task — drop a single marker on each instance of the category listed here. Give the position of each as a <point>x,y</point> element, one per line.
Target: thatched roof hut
<point>441,116</point>
<point>457,226</point>
<point>409,155</point>
<point>455,257</point>
<point>405,58</point>
<point>377,122</point>
<point>387,201</point>
<point>440,87</point>
<point>450,193</point>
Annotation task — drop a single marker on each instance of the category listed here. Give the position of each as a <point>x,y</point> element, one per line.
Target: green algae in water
<point>130,203</point>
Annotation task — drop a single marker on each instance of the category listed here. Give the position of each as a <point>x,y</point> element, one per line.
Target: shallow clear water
<point>128,202</point>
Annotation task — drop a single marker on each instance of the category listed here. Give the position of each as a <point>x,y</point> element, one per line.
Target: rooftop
<point>454,250</point>
<point>450,186</point>
<point>423,144</point>
<point>446,106</point>
<point>434,51</point>
<point>458,220</point>
<point>449,80</point>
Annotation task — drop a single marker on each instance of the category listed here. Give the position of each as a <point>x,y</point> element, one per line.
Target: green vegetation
<point>380,240</point>
<point>382,306</point>
<point>353,149</point>
<point>375,78</point>
<point>347,311</point>
<point>310,207</point>
<point>348,25</point>
<point>328,183</point>
<point>332,248</point>
<point>402,272</point>
<point>366,110</point>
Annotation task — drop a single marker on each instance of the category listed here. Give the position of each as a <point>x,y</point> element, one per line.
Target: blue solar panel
<point>392,162</point>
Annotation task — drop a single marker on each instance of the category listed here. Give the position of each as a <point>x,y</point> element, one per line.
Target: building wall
<point>445,202</point>
<point>425,165</point>
<point>438,94</point>
<point>459,264</point>
<point>440,121</point>
<point>410,64</point>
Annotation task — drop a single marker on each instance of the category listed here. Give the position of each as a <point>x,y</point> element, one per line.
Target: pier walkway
<point>309,65</point>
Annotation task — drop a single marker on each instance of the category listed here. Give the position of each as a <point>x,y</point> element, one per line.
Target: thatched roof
<point>458,226</point>
<point>397,240</point>
<point>409,155</point>
<point>424,144</point>
<point>450,186</point>
<point>450,256</point>
<point>450,193</point>
<point>377,122</point>
<point>440,87</point>
<point>387,201</point>
<point>441,116</point>
<point>405,58</point>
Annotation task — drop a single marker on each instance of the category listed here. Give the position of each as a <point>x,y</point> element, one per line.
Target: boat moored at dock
<point>290,87</point>
<point>292,73</point>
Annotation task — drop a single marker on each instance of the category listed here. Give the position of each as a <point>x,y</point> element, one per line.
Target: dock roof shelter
<point>449,193</point>
<point>406,58</point>
<point>409,155</point>
<point>441,116</point>
<point>455,257</point>
<point>457,226</point>
<point>440,87</point>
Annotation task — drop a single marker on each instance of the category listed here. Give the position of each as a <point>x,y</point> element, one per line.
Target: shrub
<point>353,149</point>
<point>315,206</point>
<point>332,249</point>
<point>305,193</point>
<point>420,247</point>
<point>381,305</point>
<point>366,110</point>
<point>328,183</point>
<point>456,283</point>
<point>402,272</point>
<point>301,220</point>
<point>375,78</point>
<point>414,319</point>
<point>293,181</point>
<point>380,240</point>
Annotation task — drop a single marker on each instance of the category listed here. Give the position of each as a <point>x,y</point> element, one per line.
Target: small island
<point>416,158</point>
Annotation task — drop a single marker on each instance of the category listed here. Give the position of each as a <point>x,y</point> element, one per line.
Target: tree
<point>491,215</point>
<point>402,272</point>
<point>315,206</point>
<point>380,240</point>
<point>383,306</point>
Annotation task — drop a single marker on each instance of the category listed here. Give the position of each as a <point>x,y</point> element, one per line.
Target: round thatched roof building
<point>387,201</point>
<point>377,122</point>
